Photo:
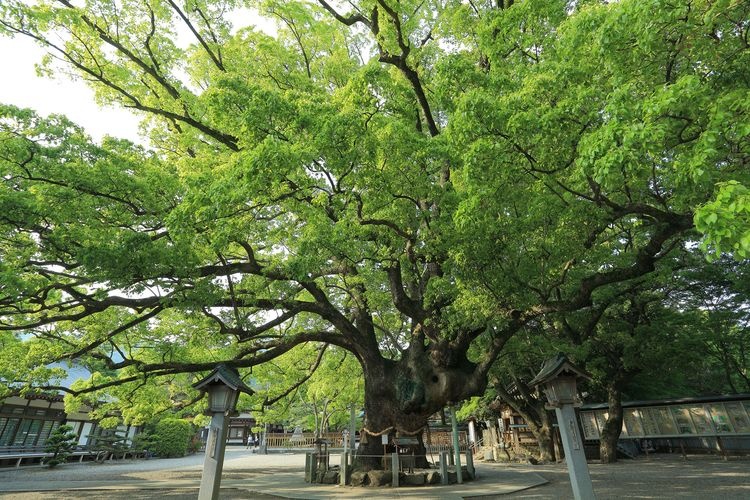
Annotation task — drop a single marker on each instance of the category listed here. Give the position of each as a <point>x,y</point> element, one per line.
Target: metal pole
<point>213,462</point>
<point>456,450</point>
<point>575,458</point>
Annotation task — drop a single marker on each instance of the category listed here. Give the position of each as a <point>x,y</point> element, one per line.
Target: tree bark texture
<point>401,395</point>
<point>613,426</point>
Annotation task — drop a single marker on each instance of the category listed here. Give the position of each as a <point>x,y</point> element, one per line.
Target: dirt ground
<point>658,476</point>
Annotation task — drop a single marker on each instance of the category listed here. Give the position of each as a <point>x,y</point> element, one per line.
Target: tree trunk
<point>613,426</point>
<point>545,438</point>
<point>536,416</point>
<point>400,396</point>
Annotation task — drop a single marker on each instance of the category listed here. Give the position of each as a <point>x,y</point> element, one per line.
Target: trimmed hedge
<point>171,437</point>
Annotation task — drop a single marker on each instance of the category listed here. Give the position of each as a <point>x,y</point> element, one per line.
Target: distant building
<point>27,422</point>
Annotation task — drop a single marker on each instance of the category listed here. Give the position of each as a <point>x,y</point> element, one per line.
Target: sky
<point>21,86</point>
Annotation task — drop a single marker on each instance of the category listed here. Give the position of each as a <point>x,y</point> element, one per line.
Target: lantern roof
<point>560,365</point>
<point>226,375</point>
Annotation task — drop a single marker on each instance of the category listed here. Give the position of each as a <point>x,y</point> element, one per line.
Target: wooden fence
<point>435,441</point>
<point>307,440</point>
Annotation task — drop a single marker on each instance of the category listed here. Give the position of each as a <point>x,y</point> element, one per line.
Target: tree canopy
<point>412,182</point>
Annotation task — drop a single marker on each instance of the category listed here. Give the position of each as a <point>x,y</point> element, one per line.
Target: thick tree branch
<point>349,20</point>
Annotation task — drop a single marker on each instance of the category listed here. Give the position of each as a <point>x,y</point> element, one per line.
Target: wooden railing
<point>307,440</point>
<point>436,441</point>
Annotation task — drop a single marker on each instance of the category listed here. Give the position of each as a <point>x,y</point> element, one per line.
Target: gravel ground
<point>173,494</point>
<point>239,463</point>
<point>659,476</point>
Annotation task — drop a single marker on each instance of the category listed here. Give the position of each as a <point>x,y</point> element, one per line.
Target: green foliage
<point>322,402</point>
<point>171,437</point>
<point>417,186</point>
<point>143,441</point>
<point>725,221</point>
<point>109,442</point>
<point>61,444</point>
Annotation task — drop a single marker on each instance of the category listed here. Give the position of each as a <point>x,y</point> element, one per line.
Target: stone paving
<point>250,476</point>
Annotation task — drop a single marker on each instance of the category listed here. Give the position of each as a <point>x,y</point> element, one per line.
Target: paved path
<point>246,475</point>
<point>249,476</point>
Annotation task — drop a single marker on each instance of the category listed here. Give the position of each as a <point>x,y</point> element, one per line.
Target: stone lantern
<point>223,386</point>
<point>557,380</point>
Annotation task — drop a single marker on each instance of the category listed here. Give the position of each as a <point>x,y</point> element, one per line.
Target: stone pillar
<point>470,464</point>
<point>312,471</point>
<point>575,458</point>
<point>344,470</point>
<point>456,448</point>
<point>472,432</point>
<point>308,467</point>
<point>444,468</point>
<point>213,463</point>
<point>395,469</point>
<point>264,441</point>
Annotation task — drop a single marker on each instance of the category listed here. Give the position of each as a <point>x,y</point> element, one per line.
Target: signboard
<point>588,424</point>
<point>701,420</point>
<point>667,425</point>
<point>684,422</point>
<point>738,417</point>
<point>705,419</point>
<point>632,420</point>
<point>720,418</point>
<point>649,419</point>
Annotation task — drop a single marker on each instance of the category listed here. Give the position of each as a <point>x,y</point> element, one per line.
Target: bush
<point>61,443</point>
<point>171,437</point>
<point>108,443</point>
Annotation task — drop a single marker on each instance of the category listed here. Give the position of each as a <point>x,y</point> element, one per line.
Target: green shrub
<point>171,437</point>
<point>61,443</point>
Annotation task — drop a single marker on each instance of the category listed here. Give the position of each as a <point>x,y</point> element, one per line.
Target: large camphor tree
<point>412,182</point>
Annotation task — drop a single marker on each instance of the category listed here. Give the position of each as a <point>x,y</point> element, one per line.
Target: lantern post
<point>223,386</point>
<point>557,379</point>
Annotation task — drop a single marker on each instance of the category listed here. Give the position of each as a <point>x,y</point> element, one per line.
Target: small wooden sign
<point>407,441</point>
